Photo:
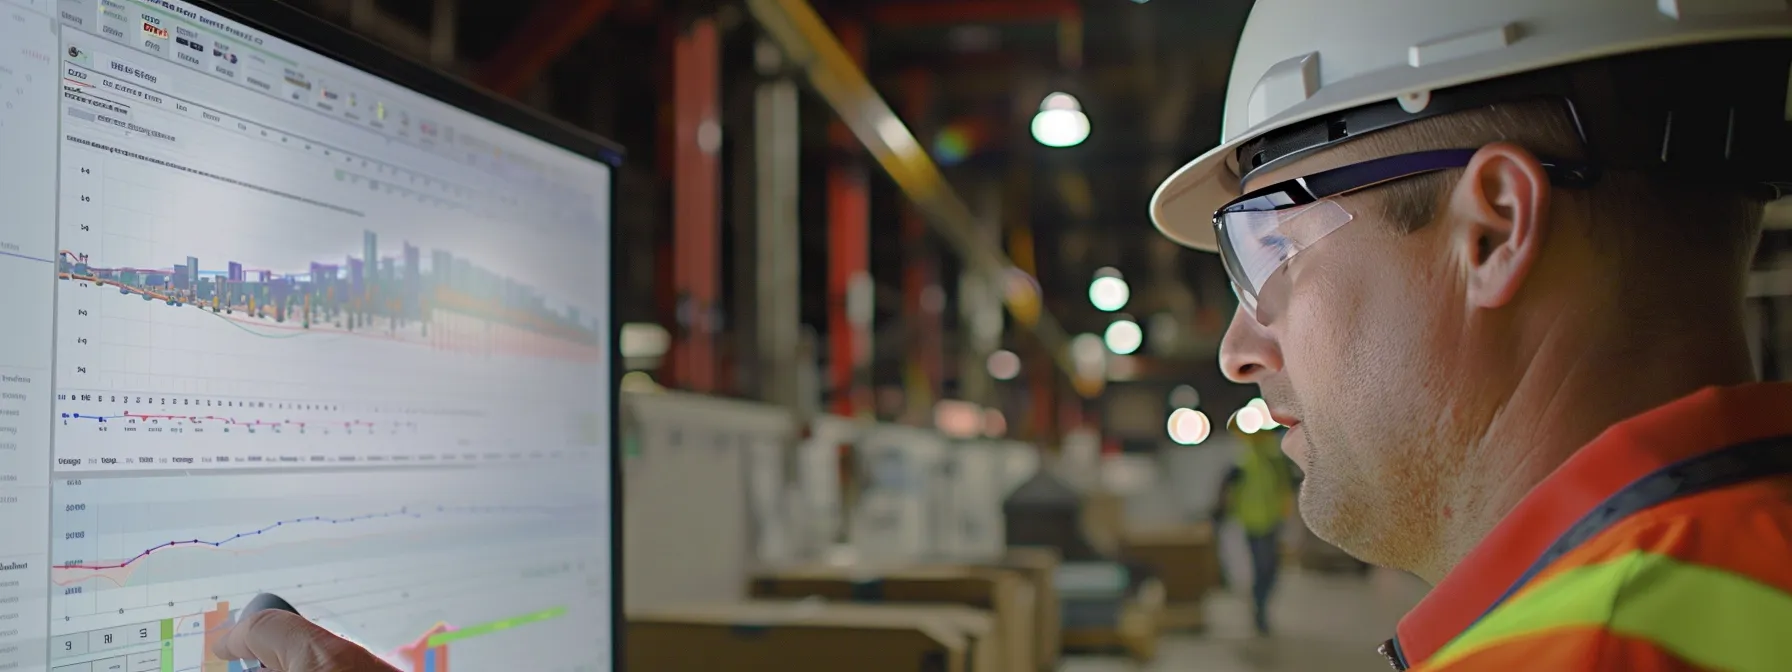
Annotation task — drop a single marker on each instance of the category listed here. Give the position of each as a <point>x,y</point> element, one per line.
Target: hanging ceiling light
<point>1003,365</point>
<point>1269,422</point>
<point>1250,420</point>
<point>1189,427</point>
<point>1060,121</point>
<point>1109,293</point>
<point>1124,337</point>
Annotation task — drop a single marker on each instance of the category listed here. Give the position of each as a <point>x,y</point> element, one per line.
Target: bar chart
<point>225,314</point>
<point>391,297</point>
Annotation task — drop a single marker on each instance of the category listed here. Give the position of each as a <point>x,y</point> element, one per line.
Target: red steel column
<point>696,195</point>
<point>849,258</point>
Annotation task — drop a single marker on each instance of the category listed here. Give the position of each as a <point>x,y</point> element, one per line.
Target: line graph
<point>15,255</point>
<point>376,556</point>
<point>120,577</point>
<point>405,512</point>
<point>126,549</point>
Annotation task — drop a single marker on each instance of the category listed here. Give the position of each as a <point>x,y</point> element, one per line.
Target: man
<point>1491,260</point>
<point>1256,493</point>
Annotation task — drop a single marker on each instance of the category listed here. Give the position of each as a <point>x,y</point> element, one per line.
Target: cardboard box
<point>1184,558</point>
<point>809,637</point>
<point>1003,593</point>
<point>1039,565</point>
<point>984,653</point>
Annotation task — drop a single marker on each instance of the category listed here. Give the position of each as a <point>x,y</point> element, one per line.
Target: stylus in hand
<point>284,641</point>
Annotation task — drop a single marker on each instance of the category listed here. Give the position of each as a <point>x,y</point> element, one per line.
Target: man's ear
<point>1501,205</point>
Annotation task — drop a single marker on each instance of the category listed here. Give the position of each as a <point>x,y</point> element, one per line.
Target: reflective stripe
<point>1709,617</point>
<point>1582,647</point>
<point>1707,529</point>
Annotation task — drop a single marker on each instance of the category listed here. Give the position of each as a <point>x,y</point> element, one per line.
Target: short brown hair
<point>1633,212</point>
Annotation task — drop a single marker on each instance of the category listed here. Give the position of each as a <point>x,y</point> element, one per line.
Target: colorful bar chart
<point>215,622</point>
<point>424,655</point>
<point>369,293</point>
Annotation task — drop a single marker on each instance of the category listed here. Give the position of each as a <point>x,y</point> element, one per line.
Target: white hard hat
<point>1303,59</point>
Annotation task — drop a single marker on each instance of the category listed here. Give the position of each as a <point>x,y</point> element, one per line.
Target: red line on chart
<point>406,512</point>
<point>119,576</point>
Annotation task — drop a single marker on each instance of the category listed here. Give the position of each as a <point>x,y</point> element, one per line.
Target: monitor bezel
<point>308,31</point>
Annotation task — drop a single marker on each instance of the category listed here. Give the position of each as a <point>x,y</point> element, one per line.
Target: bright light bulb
<point>1060,121</point>
<point>1003,365</point>
<point>1109,293</point>
<point>1250,420</point>
<point>1269,421</point>
<point>1124,337</point>
<point>1189,427</point>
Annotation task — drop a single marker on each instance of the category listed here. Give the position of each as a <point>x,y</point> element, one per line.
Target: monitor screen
<point>272,322</point>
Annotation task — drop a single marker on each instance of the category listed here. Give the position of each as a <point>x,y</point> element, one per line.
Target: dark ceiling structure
<point>965,76</point>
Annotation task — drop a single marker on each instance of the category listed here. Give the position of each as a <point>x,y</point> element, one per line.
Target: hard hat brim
<point>1182,208</point>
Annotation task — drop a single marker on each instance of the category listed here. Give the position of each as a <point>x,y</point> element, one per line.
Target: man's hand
<point>287,642</point>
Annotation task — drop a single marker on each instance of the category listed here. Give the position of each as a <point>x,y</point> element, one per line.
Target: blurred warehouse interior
<point>893,308</point>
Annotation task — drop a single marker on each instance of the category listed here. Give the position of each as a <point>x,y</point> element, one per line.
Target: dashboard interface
<point>269,323</point>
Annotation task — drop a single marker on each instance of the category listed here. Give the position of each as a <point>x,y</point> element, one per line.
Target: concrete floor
<point>1319,622</point>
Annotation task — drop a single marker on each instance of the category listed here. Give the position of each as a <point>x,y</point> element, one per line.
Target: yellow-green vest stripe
<point>1709,617</point>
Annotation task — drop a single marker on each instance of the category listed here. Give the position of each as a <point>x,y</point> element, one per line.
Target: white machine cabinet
<point>898,515</point>
<point>704,494</point>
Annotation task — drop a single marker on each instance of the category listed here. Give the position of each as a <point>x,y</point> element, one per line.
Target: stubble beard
<point>1380,517</point>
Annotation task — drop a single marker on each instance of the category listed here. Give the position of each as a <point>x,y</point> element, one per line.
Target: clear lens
<point>1256,244</point>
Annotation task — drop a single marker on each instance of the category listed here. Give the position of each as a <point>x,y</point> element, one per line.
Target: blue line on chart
<point>406,512</point>
<point>25,257</point>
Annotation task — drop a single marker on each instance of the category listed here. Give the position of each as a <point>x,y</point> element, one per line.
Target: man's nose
<point>1248,353</point>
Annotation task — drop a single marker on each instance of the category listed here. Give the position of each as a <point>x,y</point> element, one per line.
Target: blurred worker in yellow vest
<point>1258,492</point>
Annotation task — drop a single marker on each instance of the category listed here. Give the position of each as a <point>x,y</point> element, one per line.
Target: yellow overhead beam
<point>812,47</point>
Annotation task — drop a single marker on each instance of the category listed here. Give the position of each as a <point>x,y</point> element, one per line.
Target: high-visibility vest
<point>1606,564</point>
<point>1688,568</point>
<point>1260,498</point>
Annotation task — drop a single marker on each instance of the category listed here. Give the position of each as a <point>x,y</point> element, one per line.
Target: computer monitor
<point>282,312</point>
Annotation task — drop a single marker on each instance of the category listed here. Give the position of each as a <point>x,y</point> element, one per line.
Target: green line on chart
<point>494,626</point>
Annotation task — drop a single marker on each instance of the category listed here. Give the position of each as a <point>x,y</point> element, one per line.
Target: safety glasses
<point>1259,232</point>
